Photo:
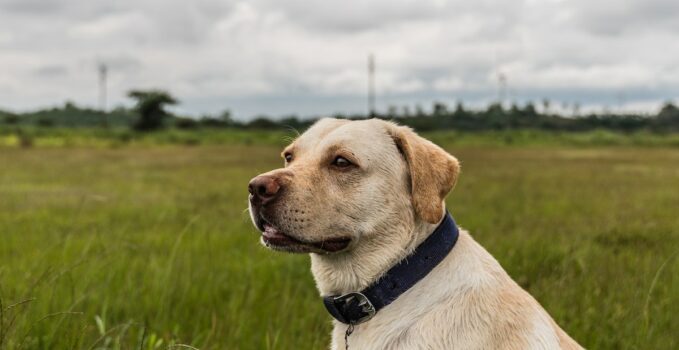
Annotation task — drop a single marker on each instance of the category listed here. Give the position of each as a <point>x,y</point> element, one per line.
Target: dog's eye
<point>341,162</point>
<point>288,157</point>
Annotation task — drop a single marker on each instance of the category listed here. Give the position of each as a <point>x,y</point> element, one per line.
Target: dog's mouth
<point>275,239</point>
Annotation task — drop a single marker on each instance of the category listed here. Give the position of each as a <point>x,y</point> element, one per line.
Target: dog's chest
<point>408,335</point>
<point>415,323</point>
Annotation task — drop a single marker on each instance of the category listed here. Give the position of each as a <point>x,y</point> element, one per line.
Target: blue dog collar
<point>358,307</point>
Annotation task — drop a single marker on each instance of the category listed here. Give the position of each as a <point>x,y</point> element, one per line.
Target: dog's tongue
<point>271,232</point>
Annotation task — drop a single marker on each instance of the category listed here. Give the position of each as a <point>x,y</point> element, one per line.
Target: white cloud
<point>286,56</point>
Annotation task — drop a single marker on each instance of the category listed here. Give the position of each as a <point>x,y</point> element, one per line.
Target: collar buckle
<point>355,307</point>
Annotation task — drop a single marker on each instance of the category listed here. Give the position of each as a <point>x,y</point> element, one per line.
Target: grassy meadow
<point>112,243</point>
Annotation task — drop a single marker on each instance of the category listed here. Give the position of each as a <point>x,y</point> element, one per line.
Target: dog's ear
<point>433,172</point>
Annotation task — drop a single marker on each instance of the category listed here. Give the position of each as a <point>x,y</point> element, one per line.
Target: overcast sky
<point>310,57</point>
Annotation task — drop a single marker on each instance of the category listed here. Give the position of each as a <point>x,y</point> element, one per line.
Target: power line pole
<point>502,88</point>
<point>371,85</point>
<point>103,72</point>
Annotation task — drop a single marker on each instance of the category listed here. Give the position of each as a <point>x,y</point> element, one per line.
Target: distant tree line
<point>150,114</point>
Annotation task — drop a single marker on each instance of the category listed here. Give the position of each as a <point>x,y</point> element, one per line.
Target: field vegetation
<point>150,113</point>
<point>118,240</point>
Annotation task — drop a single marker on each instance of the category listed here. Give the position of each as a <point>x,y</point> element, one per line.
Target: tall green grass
<point>145,247</point>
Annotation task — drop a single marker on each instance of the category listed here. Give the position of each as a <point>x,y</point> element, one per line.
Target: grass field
<point>149,247</point>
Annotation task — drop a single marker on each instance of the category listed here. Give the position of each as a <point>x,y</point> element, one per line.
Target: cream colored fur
<point>388,205</point>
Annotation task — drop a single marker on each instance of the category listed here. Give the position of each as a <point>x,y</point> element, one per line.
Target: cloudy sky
<point>307,57</point>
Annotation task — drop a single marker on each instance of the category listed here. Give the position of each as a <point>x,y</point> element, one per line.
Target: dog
<point>363,198</point>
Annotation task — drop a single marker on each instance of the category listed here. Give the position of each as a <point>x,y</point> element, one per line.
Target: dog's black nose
<point>263,188</point>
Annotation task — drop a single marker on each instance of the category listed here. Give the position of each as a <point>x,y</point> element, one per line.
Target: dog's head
<point>346,180</point>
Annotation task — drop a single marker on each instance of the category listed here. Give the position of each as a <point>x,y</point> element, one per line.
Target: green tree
<point>9,118</point>
<point>226,117</point>
<point>151,108</point>
<point>439,109</point>
<point>668,117</point>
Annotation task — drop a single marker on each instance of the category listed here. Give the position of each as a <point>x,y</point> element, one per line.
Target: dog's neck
<point>358,268</point>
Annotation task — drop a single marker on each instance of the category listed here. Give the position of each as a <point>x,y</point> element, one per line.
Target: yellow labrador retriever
<point>366,200</point>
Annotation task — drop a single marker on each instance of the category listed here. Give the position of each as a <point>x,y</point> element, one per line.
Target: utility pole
<point>103,72</point>
<point>371,85</point>
<point>502,88</point>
